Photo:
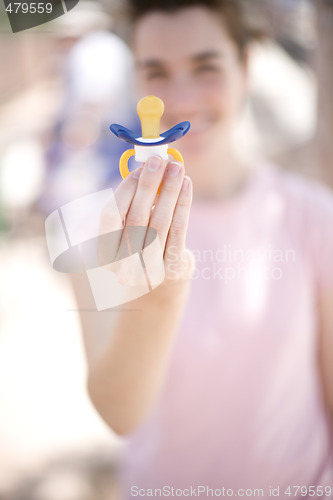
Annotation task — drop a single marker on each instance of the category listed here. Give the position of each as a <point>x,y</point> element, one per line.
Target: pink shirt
<point>242,405</point>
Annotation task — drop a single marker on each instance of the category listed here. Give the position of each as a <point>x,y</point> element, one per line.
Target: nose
<point>182,100</point>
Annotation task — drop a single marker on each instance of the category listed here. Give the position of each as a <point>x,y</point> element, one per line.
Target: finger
<point>148,184</point>
<point>141,207</point>
<point>125,192</point>
<point>162,215</point>
<point>112,216</point>
<point>123,197</point>
<point>175,244</point>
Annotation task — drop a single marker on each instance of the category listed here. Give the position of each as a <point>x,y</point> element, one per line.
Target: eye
<point>206,69</point>
<point>156,75</point>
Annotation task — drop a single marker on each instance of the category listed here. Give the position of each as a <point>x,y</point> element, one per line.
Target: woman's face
<point>189,60</point>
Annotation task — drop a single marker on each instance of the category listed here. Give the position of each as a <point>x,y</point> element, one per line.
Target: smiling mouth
<point>198,129</point>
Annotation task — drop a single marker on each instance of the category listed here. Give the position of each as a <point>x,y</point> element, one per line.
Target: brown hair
<point>235,13</point>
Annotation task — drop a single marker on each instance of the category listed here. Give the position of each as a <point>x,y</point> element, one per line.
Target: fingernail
<point>137,173</point>
<point>173,168</point>
<point>186,183</point>
<point>154,163</point>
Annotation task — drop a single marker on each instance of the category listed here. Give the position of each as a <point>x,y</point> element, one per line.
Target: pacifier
<point>150,110</point>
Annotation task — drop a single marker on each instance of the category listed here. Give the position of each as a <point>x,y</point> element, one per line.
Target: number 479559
<point>311,491</point>
<point>31,8</point>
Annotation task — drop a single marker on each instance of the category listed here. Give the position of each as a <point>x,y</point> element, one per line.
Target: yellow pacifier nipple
<point>150,110</point>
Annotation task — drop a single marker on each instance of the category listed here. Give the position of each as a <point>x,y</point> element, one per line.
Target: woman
<point>221,378</point>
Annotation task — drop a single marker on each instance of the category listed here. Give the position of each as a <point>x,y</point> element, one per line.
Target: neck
<point>221,175</point>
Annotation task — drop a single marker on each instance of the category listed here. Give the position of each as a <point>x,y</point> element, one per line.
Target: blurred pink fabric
<point>242,405</point>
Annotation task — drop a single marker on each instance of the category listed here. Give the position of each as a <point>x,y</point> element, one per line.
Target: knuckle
<point>146,183</point>
<point>160,223</point>
<point>135,219</point>
<point>177,228</point>
<point>169,186</point>
<point>184,201</point>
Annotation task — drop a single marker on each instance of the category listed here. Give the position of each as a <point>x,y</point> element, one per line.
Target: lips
<point>199,128</point>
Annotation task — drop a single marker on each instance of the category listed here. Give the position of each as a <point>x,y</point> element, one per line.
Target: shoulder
<point>307,216</point>
<point>300,194</point>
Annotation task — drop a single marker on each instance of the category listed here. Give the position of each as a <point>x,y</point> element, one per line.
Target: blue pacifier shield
<point>171,135</point>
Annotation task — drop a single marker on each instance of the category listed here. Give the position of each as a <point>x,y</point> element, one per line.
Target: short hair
<point>236,14</point>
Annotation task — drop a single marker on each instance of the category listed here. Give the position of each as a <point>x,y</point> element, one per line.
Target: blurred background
<point>57,100</point>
